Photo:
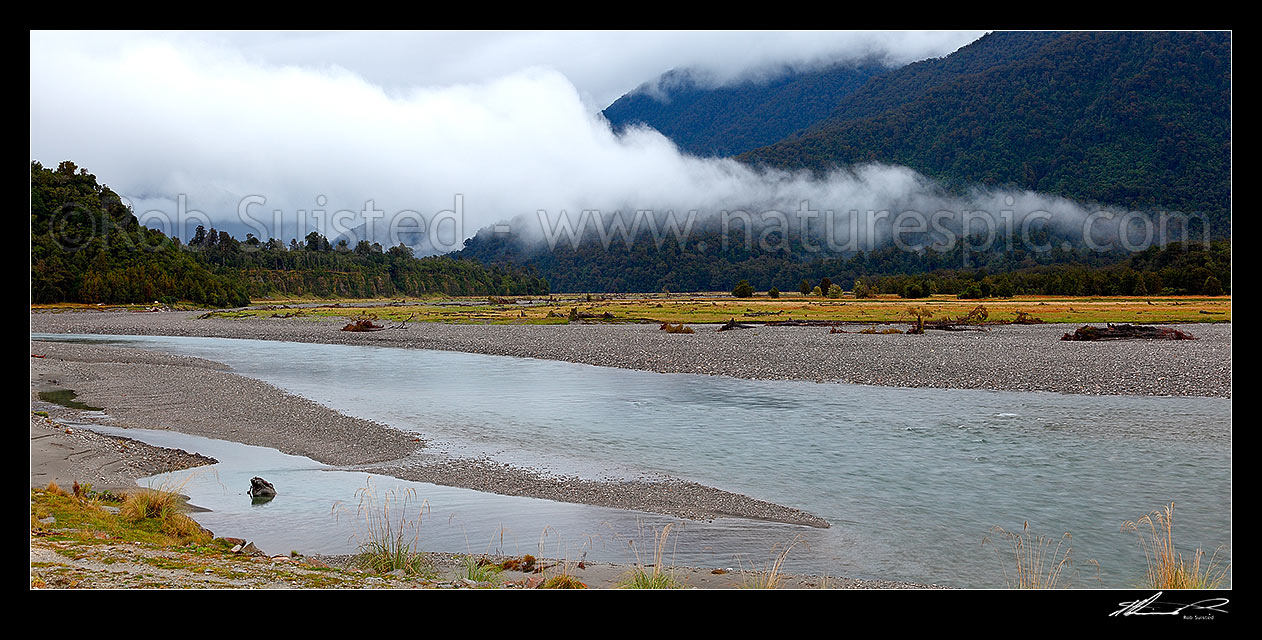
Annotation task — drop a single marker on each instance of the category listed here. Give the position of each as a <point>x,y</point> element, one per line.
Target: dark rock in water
<point>261,489</point>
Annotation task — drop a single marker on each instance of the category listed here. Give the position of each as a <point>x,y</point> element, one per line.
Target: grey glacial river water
<point>912,480</point>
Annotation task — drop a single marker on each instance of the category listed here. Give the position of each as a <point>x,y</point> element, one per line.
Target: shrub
<point>675,328</point>
<point>804,287</point>
<point>834,291</point>
<point>743,289</point>
<point>864,289</point>
<point>774,293</point>
<point>971,292</point>
<point>914,290</point>
<point>816,292</point>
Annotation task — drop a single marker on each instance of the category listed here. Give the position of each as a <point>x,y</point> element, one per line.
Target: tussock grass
<point>149,515</point>
<point>563,581</point>
<point>652,575</point>
<point>771,575</point>
<point>164,505</point>
<point>1031,561</point>
<point>1166,567</point>
<point>481,569</point>
<point>388,539</point>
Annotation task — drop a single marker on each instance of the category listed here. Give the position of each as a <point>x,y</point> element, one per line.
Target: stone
<point>260,488</point>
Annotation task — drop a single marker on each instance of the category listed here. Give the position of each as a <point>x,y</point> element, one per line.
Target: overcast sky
<point>495,124</point>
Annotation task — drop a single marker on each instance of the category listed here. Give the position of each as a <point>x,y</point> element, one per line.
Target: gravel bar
<point>1008,357</point>
<point>146,389</point>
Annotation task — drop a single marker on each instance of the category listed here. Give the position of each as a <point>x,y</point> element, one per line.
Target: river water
<point>912,480</point>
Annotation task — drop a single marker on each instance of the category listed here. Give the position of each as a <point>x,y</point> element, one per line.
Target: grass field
<point>716,308</point>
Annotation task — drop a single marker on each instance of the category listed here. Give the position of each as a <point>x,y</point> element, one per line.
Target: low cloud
<point>197,127</point>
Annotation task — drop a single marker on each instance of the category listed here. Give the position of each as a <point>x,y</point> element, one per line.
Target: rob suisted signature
<point>1150,607</point>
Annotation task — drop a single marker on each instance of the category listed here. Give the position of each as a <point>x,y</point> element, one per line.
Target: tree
<point>743,289</point>
<point>918,315</point>
<point>774,293</point>
<point>1212,287</point>
<point>805,287</point>
<point>834,291</point>
<point>401,251</point>
<point>824,285</point>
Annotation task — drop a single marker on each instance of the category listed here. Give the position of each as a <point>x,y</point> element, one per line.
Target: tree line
<point>87,246</point>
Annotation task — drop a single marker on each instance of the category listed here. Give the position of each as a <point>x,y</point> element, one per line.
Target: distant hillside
<point>707,263</point>
<point>733,119</point>
<point>1137,120</point>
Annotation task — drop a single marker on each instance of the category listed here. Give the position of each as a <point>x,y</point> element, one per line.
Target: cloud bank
<point>199,127</point>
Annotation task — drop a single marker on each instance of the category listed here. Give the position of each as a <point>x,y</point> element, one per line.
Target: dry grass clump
<point>1032,559</point>
<point>524,564</point>
<point>388,538</point>
<point>652,575</point>
<point>164,505</point>
<point>770,576</point>
<point>675,328</point>
<point>1166,568</point>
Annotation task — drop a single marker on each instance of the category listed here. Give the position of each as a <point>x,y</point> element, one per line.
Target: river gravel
<point>1009,357</point>
<point>144,389</point>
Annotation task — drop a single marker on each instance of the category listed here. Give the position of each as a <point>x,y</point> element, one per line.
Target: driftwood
<point>733,324</point>
<point>802,323</point>
<point>362,324</point>
<point>1127,332</point>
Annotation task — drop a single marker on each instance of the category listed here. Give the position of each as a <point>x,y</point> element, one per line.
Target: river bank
<point>1006,357</point>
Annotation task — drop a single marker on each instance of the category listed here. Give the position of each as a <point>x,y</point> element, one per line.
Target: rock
<point>113,510</point>
<point>260,488</point>
<point>234,541</point>
<point>48,520</point>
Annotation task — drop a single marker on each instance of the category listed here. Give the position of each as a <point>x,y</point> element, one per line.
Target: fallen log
<point>733,324</point>
<point>1126,332</point>
<point>362,324</point>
